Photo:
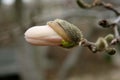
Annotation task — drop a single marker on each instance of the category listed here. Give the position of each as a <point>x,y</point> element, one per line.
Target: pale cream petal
<point>41,42</point>
<point>39,32</point>
<point>42,36</point>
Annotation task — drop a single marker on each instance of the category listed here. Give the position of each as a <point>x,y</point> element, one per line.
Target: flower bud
<point>69,32</point>
<point>111,51</point>
<point>101,44</point>
<point>109,38</point>
<point>55,33</point>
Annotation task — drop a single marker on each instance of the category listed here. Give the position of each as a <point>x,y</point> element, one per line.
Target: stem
<point>91,46</point>
<point>115,27</point>
<point>110,7</point>
<point>117,36</point>
<point>116,32</point>
<point>83,4</point>
<point>95,3</point>
<point>117,20</point>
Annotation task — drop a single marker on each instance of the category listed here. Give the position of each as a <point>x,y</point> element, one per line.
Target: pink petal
<point>42,35</point>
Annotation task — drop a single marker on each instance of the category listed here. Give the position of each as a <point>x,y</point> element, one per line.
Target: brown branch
<point>104,23</point>
<point>117,36</point>
<point>116,32</point>
<point>85,5</point>
<point>109,7</point>
<point>114,25</point>
<point>99,46</point>
<point>95,3</point>
<point>91,46</point>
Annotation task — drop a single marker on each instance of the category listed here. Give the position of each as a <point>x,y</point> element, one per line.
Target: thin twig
<point>95,3</point>
<point>116,32</point>
<point>104,23</point>
<point>85,5</point>
<point>117,20</point>
<point>109,7</point>
<point>114,25</point>
<point>91,46</point>
<point>117,36</point>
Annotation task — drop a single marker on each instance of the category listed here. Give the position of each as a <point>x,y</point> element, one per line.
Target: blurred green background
<point>22,61</point>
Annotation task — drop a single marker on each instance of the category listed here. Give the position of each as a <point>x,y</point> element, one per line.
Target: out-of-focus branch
<point>114,25</point>
<point>91,46</point>
<point>102,44</point>
<point>104,23</point>
<point>109,7</point>
<point>117,37</point>
<point>85,5</point>
<point>95,3</point>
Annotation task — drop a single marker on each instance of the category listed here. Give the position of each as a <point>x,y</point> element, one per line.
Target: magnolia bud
<point>70,33</point>
<point>109,38</point>
<point>104,23</point>
<point>101,44</point>
<point>111,51</point>
<point>55,33</point>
